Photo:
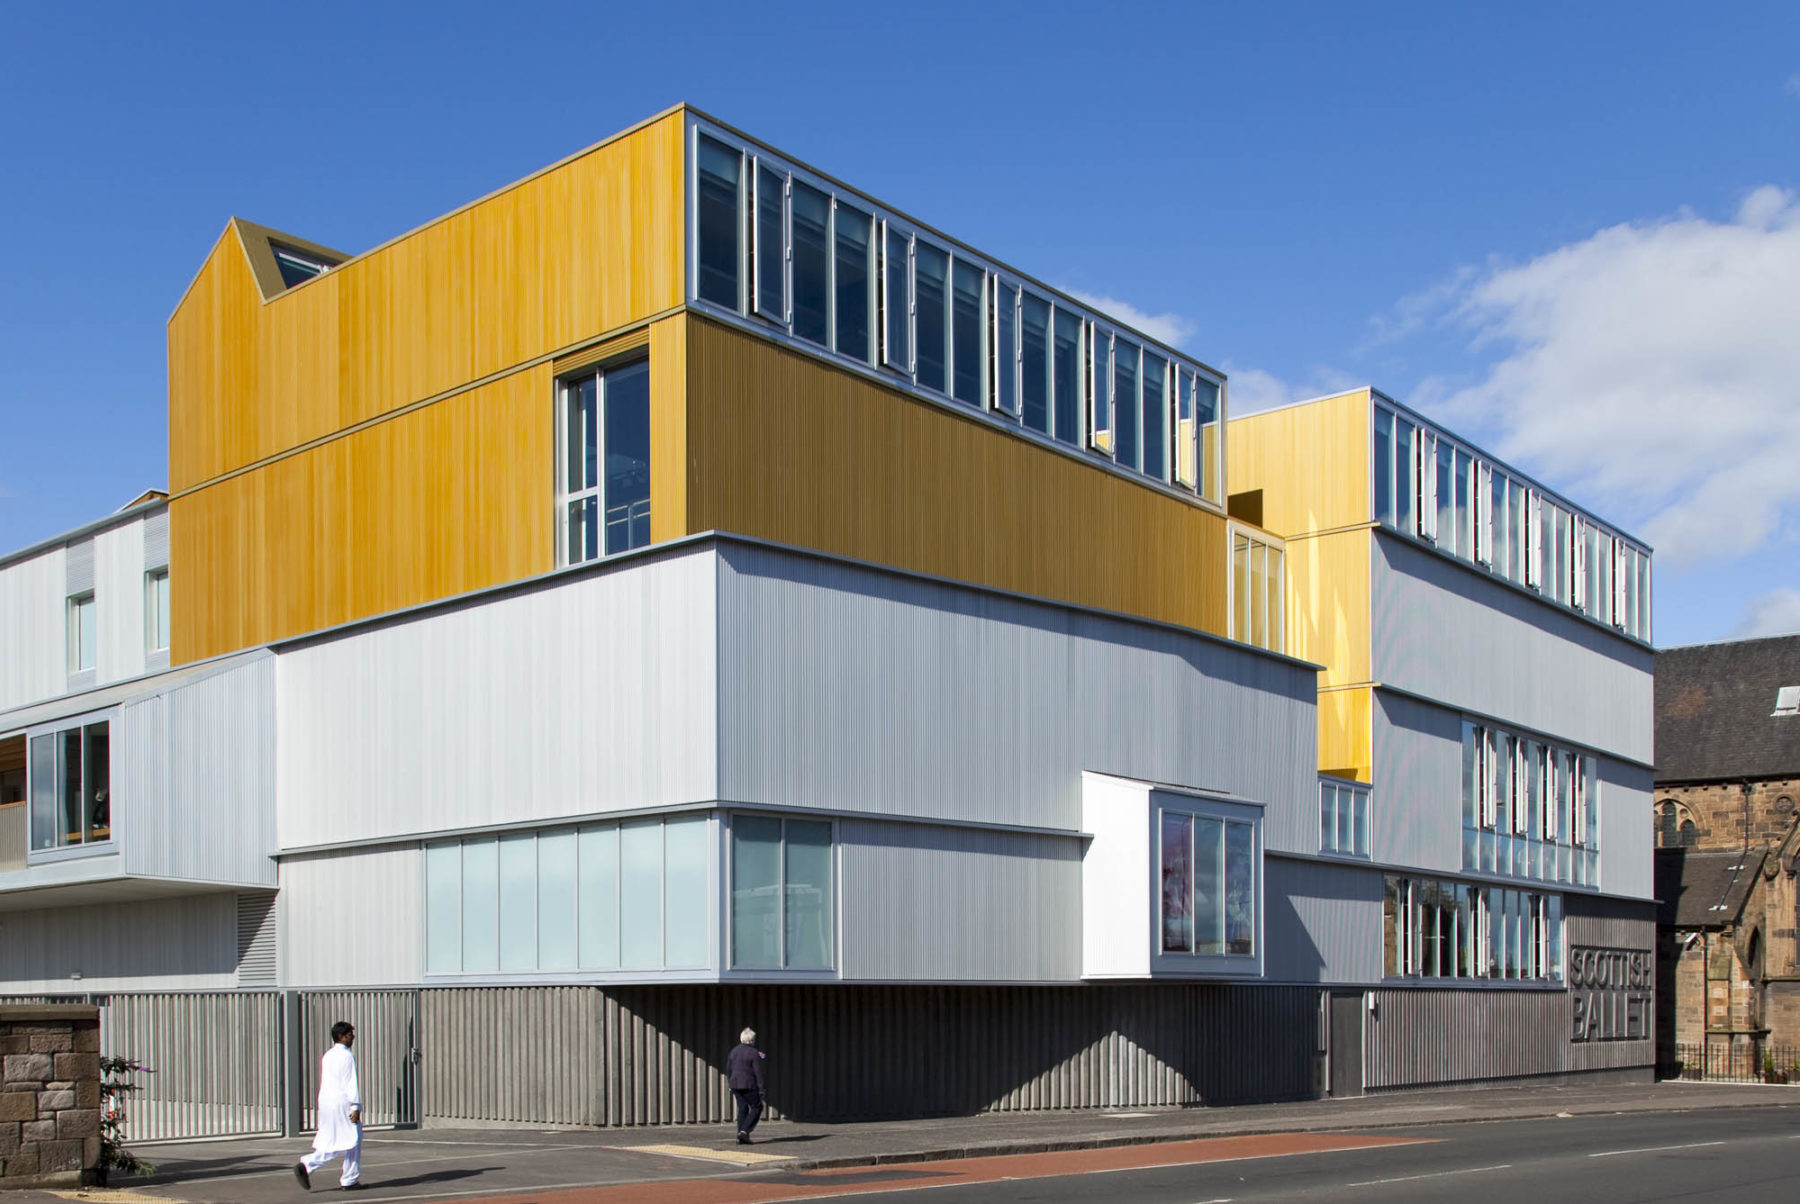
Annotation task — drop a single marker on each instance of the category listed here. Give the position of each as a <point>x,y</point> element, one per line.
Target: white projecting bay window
<point>1211,882</point>
<point>631,895</point>
<point>831,271</point>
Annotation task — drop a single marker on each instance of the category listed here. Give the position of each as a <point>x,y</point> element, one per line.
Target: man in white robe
<point>340,1114</point>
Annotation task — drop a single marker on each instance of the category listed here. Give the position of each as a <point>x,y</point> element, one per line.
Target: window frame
<point>1361,817</point>
<point>1274,617</point>
<point>156,610</point>
<point>1225,813</point>
<point>728,877</point>
<point>78,641</point>
<point>64,849</point>
<point>565,496</point>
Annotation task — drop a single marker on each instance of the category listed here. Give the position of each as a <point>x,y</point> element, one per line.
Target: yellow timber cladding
<point>384,433</point>
<point>1306,469</point>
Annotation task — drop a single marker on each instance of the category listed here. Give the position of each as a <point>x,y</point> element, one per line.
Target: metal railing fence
<point>1718,1062</point>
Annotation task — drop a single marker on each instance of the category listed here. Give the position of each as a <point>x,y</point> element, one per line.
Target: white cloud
<point>1252,389</point>
<point>1172,329</point>
<point>1775,613</point>
<point>1654,371</point>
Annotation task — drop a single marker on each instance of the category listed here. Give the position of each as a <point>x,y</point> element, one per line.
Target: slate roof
<point>1703,890</point>
<point>1713,711</point>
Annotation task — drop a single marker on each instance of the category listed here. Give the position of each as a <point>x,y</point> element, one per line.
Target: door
<point>1347,1008</point>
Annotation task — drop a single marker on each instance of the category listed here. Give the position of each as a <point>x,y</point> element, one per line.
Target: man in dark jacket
<point>745,1068</point>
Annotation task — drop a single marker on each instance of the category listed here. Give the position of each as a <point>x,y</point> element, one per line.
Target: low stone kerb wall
<point>49,1094</point>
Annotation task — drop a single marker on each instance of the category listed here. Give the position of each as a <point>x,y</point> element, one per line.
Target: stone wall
<point>1717,809</point>
<point>49,1095</point>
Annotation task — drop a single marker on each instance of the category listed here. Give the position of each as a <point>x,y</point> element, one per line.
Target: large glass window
<point>721,170</point>
<point>931,285</point>
<point>967,351</point>
<point>1384,466</point>
<point>606,462</point>
<point>1435,928</point>
<point>1210,886</point>
<point>1523,804</point>
<point>631,895</point>
<point>782,896</point>
<point>70,783</point>
<point>1343,817</point>
<point>156,610</point>
<point>854,283</point>
<point>811,263</point>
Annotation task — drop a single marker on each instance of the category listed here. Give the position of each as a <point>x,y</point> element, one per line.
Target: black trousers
<point>749,1107</point>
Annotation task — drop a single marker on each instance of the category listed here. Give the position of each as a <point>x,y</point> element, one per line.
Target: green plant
<point>117,1084</point>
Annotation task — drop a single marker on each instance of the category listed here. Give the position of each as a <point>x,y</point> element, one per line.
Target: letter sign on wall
<point>1610,993</point>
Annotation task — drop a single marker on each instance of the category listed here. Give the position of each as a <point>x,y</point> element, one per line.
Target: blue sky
<point>1569,231</point>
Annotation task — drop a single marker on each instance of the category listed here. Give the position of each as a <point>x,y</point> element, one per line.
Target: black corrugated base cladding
<point>654,1054</point>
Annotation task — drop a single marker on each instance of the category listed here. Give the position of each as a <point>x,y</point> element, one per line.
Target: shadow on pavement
<point>430,1177</point>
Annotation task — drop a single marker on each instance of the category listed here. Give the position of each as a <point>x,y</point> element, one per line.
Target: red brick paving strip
<point>904,1176</point>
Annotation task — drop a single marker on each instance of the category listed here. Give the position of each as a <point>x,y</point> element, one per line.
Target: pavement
<point>435,1164</point>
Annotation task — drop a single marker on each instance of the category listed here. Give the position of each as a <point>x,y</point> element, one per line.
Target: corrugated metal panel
<point>258,934</point>
<point>1421,1037</point>
<point>214,1058</point>
<point>1609,923</point>
<point>353,918</point>
<point>78,568</point>
<point>847,687</point>
<point>1449,633</point>
<point>1627,832</point>
<point>33,652</point>
<point>118,568</point>
<point>156,540</point>
<point>1323,922</point>
<point>215,819</point>
<point>655,1055</point>
<point>1416,804</point>
<point>587,694</point>
<point>183,943</point>
<point>387,1051</point>
<point>942,904</point>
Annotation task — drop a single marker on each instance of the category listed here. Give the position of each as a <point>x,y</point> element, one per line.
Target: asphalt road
<point>1740,1156</point>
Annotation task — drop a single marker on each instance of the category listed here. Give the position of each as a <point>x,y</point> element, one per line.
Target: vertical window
<point>1240,893</point>
<point>720,202</point>
<point>1127,449</point>
<point>597,897</point>
<point>82,633</point>
<point>1257,590</point>
<point>1177,882</point>
<point>443,908</point>
<point>811,216</point>
<point>1209,874</point>
<point>967,352</point>
<point>156,610</point>
<point>1444,532</point>
<point>1065,377</point>
<point>1499,518</point>
<point>518,901</point>
<point>480,906</point>
<point>1464,544</point>
<point>605,506</point>
<point>1156,416</point>
<point>1405,495</point>
<point>1209,413</point>
<point>558,900</point>
<point>782,897</point>
<point>896,300</point>
<point>1034,363</point>
<point>1560,565</point>
<point>1003,348</point>
<point>1515,533</point>
<point>771,251</point>
<point>854,283</point>
<point>640,894</point>
<point>931,282</point>
<point>1384,466</point>
<point>1343,818</point>
<point>1187,443</point>
<point>1099,391</point>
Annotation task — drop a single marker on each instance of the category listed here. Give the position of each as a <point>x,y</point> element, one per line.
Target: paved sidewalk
<point>466,1164</point>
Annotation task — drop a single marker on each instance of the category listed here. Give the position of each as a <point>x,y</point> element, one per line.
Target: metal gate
<point>387,1053</point>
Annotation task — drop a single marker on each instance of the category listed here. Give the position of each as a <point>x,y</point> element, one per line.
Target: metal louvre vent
<point>78,567</point>
<point>256,939</point>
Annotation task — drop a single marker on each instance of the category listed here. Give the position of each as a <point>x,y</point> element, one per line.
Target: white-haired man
<point>744,1067</point>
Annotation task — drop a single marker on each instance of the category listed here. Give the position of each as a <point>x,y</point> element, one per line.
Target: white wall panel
<point>34,657</point>
<point>197,800</point>
<point>1323,922</point>
<point>1415,806</point>
<point>1119,885</point>
<point>934,904</point>
<point>855,689</point>
<point>119,597</point>
<point>186,943</point>
<point>1451,634</point>
<point>588,693</point>
<point>352,919</point>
